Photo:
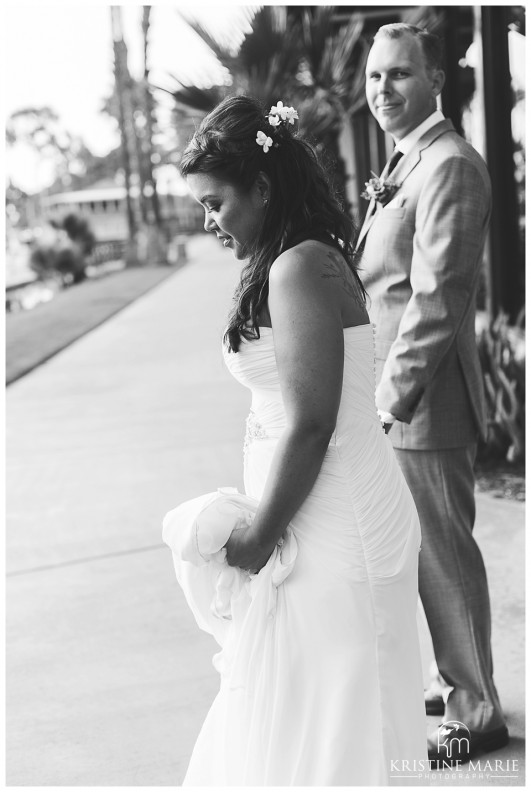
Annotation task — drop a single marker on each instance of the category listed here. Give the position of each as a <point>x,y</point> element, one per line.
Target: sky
<point>61,55</point>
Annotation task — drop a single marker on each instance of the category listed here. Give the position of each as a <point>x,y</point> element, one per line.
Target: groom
<point>422,244</point>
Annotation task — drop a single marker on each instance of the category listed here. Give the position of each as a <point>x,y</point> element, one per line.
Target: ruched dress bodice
<point>334,694</point>
<point>360,480</point>
<point>254,365</point>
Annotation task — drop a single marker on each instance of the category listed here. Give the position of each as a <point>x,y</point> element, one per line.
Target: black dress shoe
<point>434,703</point>
<point>452,742</point>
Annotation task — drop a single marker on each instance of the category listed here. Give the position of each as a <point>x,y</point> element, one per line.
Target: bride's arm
<point>308,337</point>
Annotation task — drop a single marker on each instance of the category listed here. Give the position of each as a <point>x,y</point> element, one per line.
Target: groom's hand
<point>387,420</point>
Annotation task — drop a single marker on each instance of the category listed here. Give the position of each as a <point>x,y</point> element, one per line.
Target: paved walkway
<point>108,678</point>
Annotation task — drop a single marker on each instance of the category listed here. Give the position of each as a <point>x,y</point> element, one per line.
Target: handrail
<point>22,284</point>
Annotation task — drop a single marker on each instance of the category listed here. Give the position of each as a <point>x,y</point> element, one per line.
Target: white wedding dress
<point>329,686</point>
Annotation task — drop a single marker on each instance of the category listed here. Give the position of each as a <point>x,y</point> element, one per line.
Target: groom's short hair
<point>431,44</point>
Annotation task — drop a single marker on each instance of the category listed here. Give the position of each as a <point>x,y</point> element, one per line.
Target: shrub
<point>66,252</point>
<point>502,355</point>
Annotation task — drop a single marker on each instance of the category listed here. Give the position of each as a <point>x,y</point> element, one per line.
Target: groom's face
<point>401,90</point>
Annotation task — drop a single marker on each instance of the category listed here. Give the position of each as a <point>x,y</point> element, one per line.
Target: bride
<point>332,694</point>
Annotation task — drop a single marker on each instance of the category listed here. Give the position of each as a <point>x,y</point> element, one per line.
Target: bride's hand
<point>244,551</point>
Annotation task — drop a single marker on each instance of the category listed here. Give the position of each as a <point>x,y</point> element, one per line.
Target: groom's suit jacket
<point>421,264</point>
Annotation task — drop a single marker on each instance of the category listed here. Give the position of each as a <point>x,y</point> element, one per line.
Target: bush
<point>502,355</point>
<point>66,251</point>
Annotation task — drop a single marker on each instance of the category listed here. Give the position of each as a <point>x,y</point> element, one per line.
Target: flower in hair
<point>285,113</point>
<point>263,140</point>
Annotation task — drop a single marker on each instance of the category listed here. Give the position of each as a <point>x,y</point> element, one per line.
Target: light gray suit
<point>421,264</point>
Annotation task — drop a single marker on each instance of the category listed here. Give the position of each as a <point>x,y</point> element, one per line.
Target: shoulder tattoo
<point>337,268</point>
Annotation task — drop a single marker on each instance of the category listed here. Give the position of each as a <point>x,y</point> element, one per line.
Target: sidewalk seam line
<point>87,559</point>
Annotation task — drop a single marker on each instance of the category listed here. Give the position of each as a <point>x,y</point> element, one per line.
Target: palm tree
<point>261,66</point>
<point>331,61</point>
<point>149,116</point>
<point>155,231</point>
<point>123,95</point>
<point>332,82</point>
<point>302,58</point>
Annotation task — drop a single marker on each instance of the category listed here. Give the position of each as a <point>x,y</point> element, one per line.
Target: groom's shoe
<point>453,742</point>
<point>433,702</point>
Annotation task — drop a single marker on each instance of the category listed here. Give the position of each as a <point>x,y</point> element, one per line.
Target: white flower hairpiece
<point>280,113</point>
<point>263,140</point>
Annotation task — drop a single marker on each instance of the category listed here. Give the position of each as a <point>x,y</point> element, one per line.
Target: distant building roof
<point>169,182</point>
<point>88,195</point>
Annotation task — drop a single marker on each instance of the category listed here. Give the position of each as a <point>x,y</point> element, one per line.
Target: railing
<point>28,293</point>
<point>107,251</point>
<point>13,286</point>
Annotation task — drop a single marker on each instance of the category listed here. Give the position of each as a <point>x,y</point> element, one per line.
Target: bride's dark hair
<point>301,203</point>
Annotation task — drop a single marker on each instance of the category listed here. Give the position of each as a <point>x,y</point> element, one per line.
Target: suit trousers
<point>453,582</point>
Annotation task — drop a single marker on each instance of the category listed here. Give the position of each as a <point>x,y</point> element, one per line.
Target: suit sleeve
<point>450,226</point>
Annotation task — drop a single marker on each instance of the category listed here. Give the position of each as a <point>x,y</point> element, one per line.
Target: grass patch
<point>34,336</point>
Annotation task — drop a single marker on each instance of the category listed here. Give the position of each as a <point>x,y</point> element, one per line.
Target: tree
<point>40,129</point>
<point>64,250</point>
<point>131,103</point>
<point>123,96</point>
<point>332,81</point>
<point>148,148</point>
<point>302,58</point>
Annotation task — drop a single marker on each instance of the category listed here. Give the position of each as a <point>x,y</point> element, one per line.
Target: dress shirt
<point>408,142</point>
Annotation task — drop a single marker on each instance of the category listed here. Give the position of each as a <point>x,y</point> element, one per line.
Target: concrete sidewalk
<point>108,676</point>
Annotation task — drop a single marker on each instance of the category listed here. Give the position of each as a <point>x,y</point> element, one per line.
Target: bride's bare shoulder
<point>317,268</point>
<point>307,260</point>
<point>296,280</point>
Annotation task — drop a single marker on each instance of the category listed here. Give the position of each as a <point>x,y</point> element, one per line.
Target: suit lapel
<point>406,165</point>
<point>368,221</point>
<point>412,159</point>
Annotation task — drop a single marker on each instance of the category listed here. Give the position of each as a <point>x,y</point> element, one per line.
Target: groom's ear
<point>438,78</point>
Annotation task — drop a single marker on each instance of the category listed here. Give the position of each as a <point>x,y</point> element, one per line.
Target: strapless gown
<point>334,695</point>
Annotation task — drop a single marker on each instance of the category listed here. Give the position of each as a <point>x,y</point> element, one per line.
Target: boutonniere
<point>382,190</point>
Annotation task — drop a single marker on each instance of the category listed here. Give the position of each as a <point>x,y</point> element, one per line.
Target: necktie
<point>389,166</point>
<point>392,162</point>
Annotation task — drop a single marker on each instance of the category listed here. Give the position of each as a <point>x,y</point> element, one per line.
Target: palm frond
<point>333,61</point>
<point>305,61</point>
<point>266,58</point>
<point>219,50</point>
<point>339,63</point>
<point>316,31</point>
<point>331,56</point>
<point>427,17</point>
<point>193,97</point>
<point>269,54</point>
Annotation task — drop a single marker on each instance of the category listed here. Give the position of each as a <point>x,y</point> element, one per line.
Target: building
<point>103,206</point>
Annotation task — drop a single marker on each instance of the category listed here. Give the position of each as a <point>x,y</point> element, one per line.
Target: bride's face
<point>234,214</point>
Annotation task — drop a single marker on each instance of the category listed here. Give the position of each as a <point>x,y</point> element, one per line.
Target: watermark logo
<point>453,740</point>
